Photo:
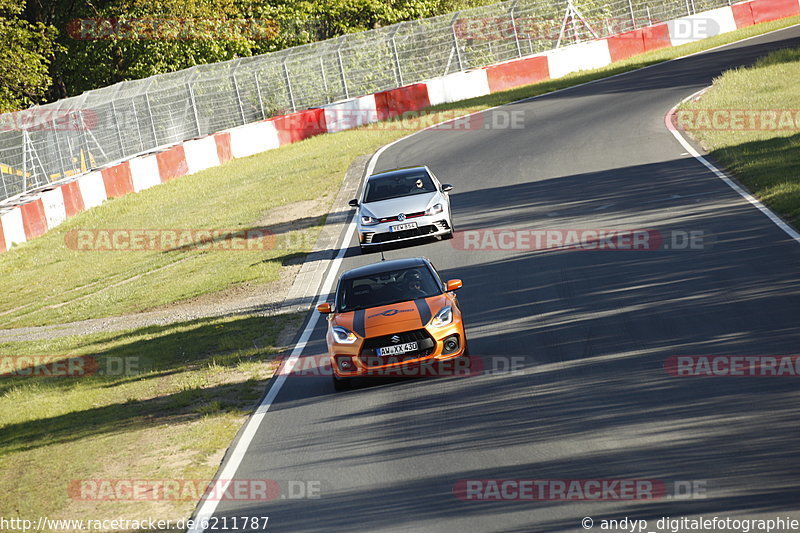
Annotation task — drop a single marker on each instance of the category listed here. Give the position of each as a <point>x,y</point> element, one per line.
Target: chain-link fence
<point>70,136</point>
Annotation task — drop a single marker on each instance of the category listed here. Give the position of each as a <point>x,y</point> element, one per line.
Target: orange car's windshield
<point>386,288</point>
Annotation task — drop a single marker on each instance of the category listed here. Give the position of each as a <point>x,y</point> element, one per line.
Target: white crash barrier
<point>581,56</point>
<point>201,154</point>
<point>458,86</point>
<point>350,113</point>
<point>93,190</point>
<point>701,26</point>
<point>253,139</point>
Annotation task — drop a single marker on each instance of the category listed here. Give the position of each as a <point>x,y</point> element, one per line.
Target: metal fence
<point>51,142</point>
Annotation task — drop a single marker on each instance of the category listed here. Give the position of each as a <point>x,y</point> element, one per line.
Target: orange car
<point>392,315</point>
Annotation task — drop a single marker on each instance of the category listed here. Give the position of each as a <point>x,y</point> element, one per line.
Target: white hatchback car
<point>403,204</point>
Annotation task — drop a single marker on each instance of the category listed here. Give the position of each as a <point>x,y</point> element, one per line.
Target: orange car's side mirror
<point>325,308</point>
<point>454,284</point>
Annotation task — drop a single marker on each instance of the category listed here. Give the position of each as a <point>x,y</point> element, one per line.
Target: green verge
<point>45,282</point>
<point>766,160</point>
<point>161,403</point>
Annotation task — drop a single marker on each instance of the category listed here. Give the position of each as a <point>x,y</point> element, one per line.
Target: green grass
<point>193,385</point>
<point>767,161</point>
<point>44,282</point>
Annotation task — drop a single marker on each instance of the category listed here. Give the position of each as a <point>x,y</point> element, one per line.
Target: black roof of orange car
<point>385,266</point>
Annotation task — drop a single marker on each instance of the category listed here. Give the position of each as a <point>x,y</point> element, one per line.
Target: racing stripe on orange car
<point>423,310</point>
<point>358,323</point>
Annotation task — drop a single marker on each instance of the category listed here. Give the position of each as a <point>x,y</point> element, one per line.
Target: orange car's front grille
<point>370,357</point>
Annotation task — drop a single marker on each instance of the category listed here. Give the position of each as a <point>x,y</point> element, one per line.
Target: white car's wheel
<point>452,231</point>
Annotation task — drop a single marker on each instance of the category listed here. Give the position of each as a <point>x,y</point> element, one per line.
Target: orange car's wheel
<point>341,384</point>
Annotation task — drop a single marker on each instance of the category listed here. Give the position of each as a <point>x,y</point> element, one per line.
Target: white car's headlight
<point>434,209</point>
<point>343,335</point>
<point>443,318</point>
<point>367,218</point>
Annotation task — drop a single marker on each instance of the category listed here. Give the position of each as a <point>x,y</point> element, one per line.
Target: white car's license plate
<point>398,349</point>
<point>402,227</point>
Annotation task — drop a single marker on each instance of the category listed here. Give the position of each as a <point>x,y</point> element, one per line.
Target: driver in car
<point>414,285</point>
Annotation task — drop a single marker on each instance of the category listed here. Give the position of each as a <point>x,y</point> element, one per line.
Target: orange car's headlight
<point>443,318</point>
<point>343,335</point>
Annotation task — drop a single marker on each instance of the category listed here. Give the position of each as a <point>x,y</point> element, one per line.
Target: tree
<point>27,49</point>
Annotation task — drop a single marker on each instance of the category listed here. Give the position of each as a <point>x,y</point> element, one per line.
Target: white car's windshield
<point>396,186</point>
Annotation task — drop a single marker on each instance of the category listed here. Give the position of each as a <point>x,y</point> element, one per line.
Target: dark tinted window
<point>398,185</point>
<point>386,288</point>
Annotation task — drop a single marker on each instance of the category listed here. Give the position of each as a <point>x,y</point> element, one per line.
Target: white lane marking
<point>724,177</point>
<point>209,506</point>
<point>224,478</point>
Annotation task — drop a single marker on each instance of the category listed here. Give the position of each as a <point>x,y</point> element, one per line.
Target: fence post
<point>514,26</point>
<point>633,17</point>
<point>258,91</point>
<point>60,155</point>
<point>397,64</point>
<point>84,137</point>
<point>138,129</point>
<point>116,126</point>
<point>341,69</point>
<point>152,122</point>
<point>238,94</point>
<point>324,81</point>
<point>455,41</point>
<point>193,102</point>
<point>398,73</point>
<point>25,140</point>
<point>288,84</point>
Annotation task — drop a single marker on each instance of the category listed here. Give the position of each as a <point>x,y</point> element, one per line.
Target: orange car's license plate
<point>398,349</point>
